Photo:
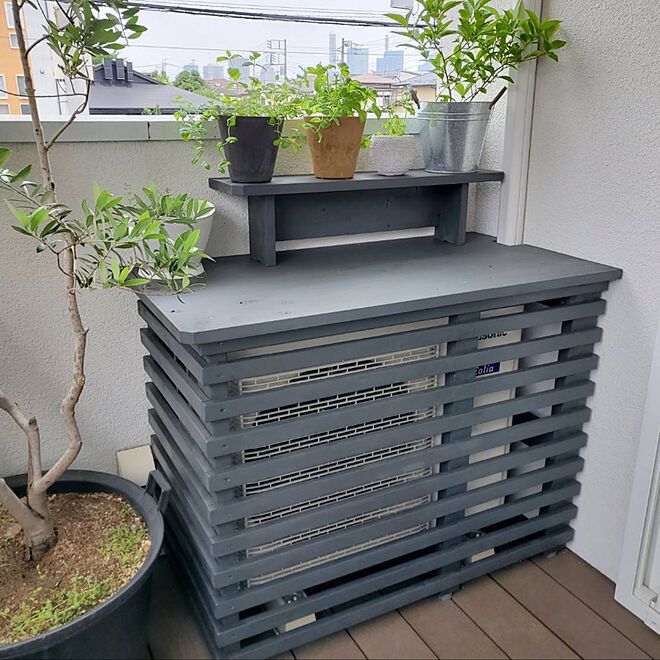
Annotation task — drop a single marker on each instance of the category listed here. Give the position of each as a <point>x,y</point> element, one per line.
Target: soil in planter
<point>102,543</point>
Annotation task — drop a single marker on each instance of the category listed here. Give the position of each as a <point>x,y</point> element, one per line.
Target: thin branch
<point>42,152</point>
<point>70,120</point>
<point>35,43</point>
<point>31,430</point>
<point>40,96</point>
<point>68,406</point>
<point>17,509</point>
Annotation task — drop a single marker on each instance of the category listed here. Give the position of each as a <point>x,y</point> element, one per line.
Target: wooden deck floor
<point>548,608</point>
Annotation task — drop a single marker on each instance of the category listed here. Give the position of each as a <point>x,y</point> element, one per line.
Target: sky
<point>179,39</point>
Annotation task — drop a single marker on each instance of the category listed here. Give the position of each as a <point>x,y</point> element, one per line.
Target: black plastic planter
<point>252,157</point>
<point>116,629</point>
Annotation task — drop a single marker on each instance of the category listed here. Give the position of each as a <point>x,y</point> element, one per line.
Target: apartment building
<point>12,81</point>
<point>51,86</point>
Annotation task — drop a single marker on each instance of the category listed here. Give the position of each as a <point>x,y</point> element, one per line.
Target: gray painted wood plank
<point>339,646</point>
<point>515,630</point>
<point>449,632</point>
<point>314,287</point>
<point>307,183</point>
<point>597,591</point>
<point>577,625</point>
<point>390,636</point>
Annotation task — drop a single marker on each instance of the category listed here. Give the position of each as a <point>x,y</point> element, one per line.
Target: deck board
<point>390,637</point>
<point>597,592</point>
<point>339,646</point>
<point>569,618</point>
<point>515,630</point>
<point>549,608</point>
<point>449,632</point>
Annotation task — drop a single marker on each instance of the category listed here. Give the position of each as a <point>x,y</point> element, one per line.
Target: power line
<point>246,14</point>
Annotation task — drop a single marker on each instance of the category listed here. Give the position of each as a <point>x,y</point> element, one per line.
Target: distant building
<point>191,68</point>
<point>244,66</point>
<point>425,66</point>
<point>213,72</point>
<point>357,59</point>
<point>425,84</point>
<point>384,86</point>
<point>332,48</point>
<point>268,74</point>
<point>52,88</point>
<point>224,86</point>
<point>391,63</point>
<point>118,90</point>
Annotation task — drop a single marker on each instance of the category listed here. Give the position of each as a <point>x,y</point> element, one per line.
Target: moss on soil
<point>102,544</point>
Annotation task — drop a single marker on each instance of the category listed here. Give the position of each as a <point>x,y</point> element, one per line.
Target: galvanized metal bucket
<point>452,135</point>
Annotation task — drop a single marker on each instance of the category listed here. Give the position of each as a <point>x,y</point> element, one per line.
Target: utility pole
<point>278,55</point>
<point>345,45</point>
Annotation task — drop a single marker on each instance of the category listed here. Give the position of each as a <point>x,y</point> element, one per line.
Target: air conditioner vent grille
<point>332,435</point>
<point>338,554</point>
<point>334,402</point>
<point>283,379</point>
<point>310,534</point>
<point>363,489</point>
<point>336,466</point>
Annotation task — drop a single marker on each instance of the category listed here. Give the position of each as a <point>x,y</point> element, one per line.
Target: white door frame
<point>643,525</point>
<point>515,155</point>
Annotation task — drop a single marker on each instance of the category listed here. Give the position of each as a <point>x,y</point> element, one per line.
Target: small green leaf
<point>5,154</point>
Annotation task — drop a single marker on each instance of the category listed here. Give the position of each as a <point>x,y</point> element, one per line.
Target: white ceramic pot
<point>394,155</point>
<point>204,225</point>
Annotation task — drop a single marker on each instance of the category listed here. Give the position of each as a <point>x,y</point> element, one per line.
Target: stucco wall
<point>35,345</point>
<point>593,193</point>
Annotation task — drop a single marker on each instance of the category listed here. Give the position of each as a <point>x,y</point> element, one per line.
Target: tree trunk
<point>35,519</point>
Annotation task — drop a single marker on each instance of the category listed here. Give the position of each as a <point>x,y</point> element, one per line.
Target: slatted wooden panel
<point>341,464</point>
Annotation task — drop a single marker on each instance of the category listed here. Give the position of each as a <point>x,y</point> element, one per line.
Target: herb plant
<point>334,94</point>
<point>480,46</point>
<point>397,116</point>
<point>248,96</point>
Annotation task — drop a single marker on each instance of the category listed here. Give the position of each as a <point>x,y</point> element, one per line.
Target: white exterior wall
<point>594,193</point>
<point>35,347</point>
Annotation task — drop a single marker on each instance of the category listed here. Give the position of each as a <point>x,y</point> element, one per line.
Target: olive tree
<point>109,242</point>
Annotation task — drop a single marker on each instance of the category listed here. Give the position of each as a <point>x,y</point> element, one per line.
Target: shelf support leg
<point>261,214</point>
<point>452,223</point>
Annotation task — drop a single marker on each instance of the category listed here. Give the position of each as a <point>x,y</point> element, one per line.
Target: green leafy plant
<point>36,615</point>
<point>108,243</point>
<point>247,96</point>
<point>397,116</point>
<point>480,46</point>
<point>334,94</point>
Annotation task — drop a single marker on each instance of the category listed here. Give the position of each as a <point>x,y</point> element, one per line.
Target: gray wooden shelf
<point>321,286</point>
<point>301,206</point>
<point>367,426</point>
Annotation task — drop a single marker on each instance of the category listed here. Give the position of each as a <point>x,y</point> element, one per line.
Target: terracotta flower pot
<point>335,155</point>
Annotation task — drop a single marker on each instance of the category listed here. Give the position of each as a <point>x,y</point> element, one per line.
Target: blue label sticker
<point>486,369</point>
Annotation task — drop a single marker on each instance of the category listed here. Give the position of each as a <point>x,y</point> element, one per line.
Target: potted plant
<point>335,112</point>
<point>394,152</point>
<point>470,44</point>
<point>77,548</point>
<point>250,119</point>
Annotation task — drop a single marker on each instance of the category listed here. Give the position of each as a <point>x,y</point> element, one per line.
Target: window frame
<point>5,105</point>
<point>3,86</point>
<point>25,109</point>
<point>11,43</point>
<point>22,94</point>
<point>9,16</point>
